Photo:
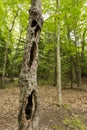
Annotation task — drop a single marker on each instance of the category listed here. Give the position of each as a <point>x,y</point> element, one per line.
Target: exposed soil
<point>71,116</point>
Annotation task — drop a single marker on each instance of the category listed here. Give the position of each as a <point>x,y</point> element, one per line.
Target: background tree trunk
<point>78,69</point>
<point>28,109</point>
<point>82,51</point>
<point>73,73</point>
<point>55,67</point>
<point>78,66</point>
<point>58,57</point>
<point>7,45</point>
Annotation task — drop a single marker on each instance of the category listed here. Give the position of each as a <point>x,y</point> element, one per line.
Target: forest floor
<point>71,116</point>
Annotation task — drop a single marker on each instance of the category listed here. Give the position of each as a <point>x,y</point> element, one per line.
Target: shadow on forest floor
<point>71,116</point>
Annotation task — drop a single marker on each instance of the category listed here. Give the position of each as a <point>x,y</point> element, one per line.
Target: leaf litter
<point>51,116</point>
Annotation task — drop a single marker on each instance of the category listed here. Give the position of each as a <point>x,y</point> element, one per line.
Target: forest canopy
<point>73,40</point>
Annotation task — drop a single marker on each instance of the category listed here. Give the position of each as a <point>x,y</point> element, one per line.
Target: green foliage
<point>66,106</point>
<point>71,17</point>
<point>75,123</point>
<point>72,25</point>
<point>57,128</point>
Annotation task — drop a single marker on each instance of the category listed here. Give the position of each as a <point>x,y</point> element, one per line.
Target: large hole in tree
<point>32,54</point>
<point>31,106</point>
<point>33,24</point>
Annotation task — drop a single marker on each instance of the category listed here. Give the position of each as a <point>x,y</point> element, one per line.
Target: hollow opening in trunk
<point>32,54</point>
<point>31,106</point>
<point>33,24</point>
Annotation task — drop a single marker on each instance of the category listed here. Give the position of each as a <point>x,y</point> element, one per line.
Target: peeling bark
<point>28,109</point>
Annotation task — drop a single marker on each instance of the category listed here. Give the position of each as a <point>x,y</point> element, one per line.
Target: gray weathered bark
<point>28,107</point>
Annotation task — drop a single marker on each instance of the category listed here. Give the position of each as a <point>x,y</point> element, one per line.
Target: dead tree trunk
<point>28,108</point>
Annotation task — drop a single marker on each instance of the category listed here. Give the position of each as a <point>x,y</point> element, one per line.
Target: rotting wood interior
<point>31,106</point>
<point>32,54</point>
